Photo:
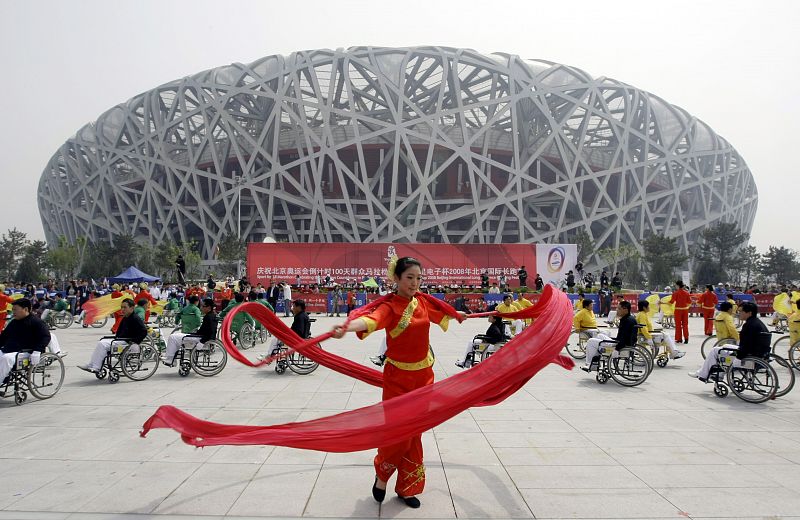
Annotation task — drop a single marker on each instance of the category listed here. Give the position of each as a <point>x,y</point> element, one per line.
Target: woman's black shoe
<point>412,502</point>
<point>378,494</point>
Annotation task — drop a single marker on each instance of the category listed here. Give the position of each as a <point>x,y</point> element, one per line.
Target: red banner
<point>444,264</point>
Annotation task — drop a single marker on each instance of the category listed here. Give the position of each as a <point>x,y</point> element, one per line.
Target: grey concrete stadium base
<point>563,447</point>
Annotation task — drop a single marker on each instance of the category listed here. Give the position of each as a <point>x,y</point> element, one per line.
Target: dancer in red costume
<point>5,301</point>
<point>409,365</point>
<point>144,294</point>
<point>116,293</point>
<point>682,301</point>
<point>708,301</point>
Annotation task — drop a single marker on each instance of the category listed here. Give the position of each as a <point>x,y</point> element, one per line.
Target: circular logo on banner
<point>555,259</point>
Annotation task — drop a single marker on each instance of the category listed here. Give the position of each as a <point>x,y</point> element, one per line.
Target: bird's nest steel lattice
<point>424,144</point>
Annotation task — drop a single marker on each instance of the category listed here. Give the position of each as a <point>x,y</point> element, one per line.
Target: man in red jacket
<point>708,302</point>
<point>682,301</point>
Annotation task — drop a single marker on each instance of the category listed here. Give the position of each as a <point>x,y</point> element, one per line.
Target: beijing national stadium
<point>420,144</point>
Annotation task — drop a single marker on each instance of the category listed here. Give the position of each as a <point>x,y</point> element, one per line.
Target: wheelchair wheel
<point>720,390</point>
<point>101,374</point>
<point>785,374</point>
<point>662,361</point>
<point>184,370</point>
<point>576,347</point>
<point>140,363</point>
<point>63,321</point>
<point>754,381</point>
<point>246,338</point>
<point>794,356</point>
<point>631,367</point>
<point>20,397</point>
<point>707,344</point>
<point>46,377</point>
<point>99,324</point>
<point>209,359</point>
<point>299,364</point>
<point>781,346</point>
<point>602,376</point>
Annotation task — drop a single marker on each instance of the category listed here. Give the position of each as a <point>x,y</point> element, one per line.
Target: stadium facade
<point>367,144</point>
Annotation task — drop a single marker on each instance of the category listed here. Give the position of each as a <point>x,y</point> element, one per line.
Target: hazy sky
<point>733,64</point>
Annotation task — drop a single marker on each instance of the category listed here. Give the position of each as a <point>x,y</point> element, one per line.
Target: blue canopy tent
<point>132,275</point>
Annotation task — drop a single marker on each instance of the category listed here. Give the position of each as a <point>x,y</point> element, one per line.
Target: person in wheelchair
<point>723,323</point>
<point>60,305</point>
<point>494,335</point>
<point>585,321</point>
<point>131,328</point>
<point>794,325</point>
<point>509,305</point>
<point>241,318</point>
<point>24,332</point>
<point>206,332</point>
<point>301,323</point>
<point>626,335</point>
<point>754,340</point>
<point>190,316</point>
<point>653,337</point>
<point>782,303</point>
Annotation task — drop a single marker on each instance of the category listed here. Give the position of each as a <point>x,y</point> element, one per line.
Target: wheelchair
<point>576,345</point>
<point>628,366</point>
<point>782,346</point>
<point>483,350</point>
<point>294,361</point>
<point>793,356</point>
<point>658,353</point>
<point>711,342</point>
<point>136,362</point>
<point>782,323</point>
<point>245,338</point>
<point>59,319</point>
<point>41,377</point>
<point>206,360</point>
<point>166,319</point>
<point>667,321</point>
<point>753,380</point>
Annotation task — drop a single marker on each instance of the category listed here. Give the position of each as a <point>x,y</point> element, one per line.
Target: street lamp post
<point>238,180</point>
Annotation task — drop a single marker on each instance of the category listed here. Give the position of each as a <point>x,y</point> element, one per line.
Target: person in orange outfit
<point>116,293</point>
<point>708,303</point>
<point>5,301</point>
<point>682,301</point>
<point>409,365</point>
<point>144,294</point>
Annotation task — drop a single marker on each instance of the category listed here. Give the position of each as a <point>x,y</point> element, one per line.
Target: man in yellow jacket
<point>723,323</point>
<point>782,305</point>
<point>794,324</point>
<point>585,320</point>
<point>653,337</point>
<point>509,305</point>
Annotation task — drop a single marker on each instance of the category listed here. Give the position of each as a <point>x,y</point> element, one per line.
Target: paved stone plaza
<point>563,447</point>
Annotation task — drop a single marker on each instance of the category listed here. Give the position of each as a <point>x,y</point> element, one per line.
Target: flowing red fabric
<point>391,421</point>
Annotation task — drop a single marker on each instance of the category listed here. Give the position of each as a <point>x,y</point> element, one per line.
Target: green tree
<point>34,261</point>
<point>164,261</point>
<point>719,252</point>
<point>192,259</point>
<point>12,249</point>
<point>585,244</point>
<point>749,266</point>
<point>232,250</point>
<point>662,256</point>
<point>781,264</point>
<point>63,259</point>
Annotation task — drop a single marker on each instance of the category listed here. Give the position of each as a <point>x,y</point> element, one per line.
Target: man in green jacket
<point>241,318</point>
<point>190,316</point>
<point>60,305</point>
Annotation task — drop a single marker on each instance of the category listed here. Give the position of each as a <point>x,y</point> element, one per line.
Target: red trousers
<point>405,457</point>
<point>681,324</point>
<point>708,320</point>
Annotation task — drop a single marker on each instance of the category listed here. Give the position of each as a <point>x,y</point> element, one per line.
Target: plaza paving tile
<point>564,446</point>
